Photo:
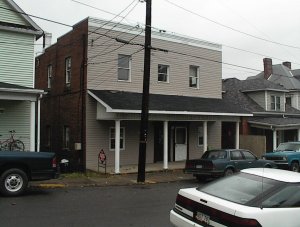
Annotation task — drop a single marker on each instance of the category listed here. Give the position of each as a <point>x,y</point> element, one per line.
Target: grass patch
<point>87,174</point>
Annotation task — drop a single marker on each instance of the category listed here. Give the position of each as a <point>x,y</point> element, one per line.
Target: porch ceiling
<point>129,102</point>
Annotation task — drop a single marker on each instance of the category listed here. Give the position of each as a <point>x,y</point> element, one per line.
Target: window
<point>163,73</point>
<point>236,155</point>
<point>200,136</point>
<point>49,75</point>
<point>124,67</point>
<point>112,139</point>
<point>194,76</point>
<point>68,71</point>
<point>66,139</point>
<point>248,155</point>
<point>275,102</point>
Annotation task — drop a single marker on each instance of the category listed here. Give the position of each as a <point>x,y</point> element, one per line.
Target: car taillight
<point>235,221</point>
<point>184,202</point>
<point>54,164</point>
<point>189,165</point>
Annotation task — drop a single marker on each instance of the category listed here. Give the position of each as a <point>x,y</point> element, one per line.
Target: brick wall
<point>63,105</point>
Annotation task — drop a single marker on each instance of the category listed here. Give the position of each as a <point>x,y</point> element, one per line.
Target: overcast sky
<point>232,23</point>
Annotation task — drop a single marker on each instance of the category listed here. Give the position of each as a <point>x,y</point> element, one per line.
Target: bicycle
<point>12,144</point>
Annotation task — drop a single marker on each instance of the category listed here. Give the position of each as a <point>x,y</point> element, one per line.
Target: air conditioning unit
<point>77,146</point>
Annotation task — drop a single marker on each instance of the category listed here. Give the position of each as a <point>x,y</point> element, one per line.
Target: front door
<point>180,143</point>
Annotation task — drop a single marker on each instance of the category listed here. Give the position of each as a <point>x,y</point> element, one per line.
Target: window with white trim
<point>49,75</point>
<point>275,102</point>
<point>112,138</point>
<point>163,73</point>
<point>124,64</point>
<point>200,136</point>
<point>194,76</point>
<point>68,70</point>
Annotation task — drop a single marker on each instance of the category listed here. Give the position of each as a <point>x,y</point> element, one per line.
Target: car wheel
<point>295,166</point>
<point>228,172</point>
<point>13,182</point>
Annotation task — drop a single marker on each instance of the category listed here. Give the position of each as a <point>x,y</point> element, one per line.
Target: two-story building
<point>18,98</point>
<point>94,79</point>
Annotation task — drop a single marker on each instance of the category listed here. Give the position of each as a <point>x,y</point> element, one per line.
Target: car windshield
<point>288,147</point>
<point>240,188</point>
<point>214,154</point>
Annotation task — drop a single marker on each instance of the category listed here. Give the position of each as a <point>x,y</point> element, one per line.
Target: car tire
<point>295,167</point>
<point>13,182</point>
<point>228,172</point>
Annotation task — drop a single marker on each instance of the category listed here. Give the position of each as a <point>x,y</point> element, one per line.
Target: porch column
<point>32,127</point>
<point>274,139</point>
<point>237,135</point>
<point>165,144</point>
<point>298,134</point>
<point>204,136</point>
<point>38,125</point>
<point>117,146</point>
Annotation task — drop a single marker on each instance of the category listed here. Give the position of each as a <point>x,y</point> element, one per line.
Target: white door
<point>180,144</point>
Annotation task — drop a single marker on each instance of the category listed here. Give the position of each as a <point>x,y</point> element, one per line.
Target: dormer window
<point>275,103</point>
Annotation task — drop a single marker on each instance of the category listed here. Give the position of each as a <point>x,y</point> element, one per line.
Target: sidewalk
<point>153,175</point>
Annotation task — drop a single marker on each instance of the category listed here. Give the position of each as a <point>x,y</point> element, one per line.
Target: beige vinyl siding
<point>258,97</point>
<point>16,58</point>
<point>16,116</point>
<point>10,16</point>
<point>97,138</point>
<point>102,70</point>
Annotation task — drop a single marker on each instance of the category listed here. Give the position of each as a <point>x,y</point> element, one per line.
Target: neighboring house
<point>94,86</point>
<point>18,98</point>
<point>272,117</point>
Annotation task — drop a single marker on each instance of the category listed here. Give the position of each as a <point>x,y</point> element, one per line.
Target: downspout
<point>39,123</point>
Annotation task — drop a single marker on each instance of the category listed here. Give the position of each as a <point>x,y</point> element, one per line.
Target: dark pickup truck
<point>18,168</point>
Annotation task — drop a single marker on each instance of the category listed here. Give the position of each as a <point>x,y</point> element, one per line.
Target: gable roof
<point>26,26</point>
<point>130,102</point>
<point>6,87</point>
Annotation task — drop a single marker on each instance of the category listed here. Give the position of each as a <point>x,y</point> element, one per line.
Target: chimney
<point>287,64</point>
<point>46,40</point>
<point>267,68</point>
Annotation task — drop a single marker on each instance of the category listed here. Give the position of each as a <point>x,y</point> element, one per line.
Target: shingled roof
<point>120,100</point>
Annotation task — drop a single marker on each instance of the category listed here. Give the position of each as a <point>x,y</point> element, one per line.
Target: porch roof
<point>130,102</point>
<point>275,122</point>
<point>16,92</point>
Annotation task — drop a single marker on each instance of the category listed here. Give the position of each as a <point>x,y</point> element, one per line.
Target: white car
<point>253,197</point>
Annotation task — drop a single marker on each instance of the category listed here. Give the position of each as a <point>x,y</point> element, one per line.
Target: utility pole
<point>145,99</point>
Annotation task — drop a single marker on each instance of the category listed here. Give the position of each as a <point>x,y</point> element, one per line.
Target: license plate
<point>199,166</point>
<point>202,217</point>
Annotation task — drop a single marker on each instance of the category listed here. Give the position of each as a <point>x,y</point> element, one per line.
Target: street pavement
<point>101,180</point>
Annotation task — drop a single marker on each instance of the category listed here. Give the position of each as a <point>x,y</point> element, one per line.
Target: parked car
<point>286,156</point>
<point>251,198</point>
<point>17,168</point>
<point>224,162</point>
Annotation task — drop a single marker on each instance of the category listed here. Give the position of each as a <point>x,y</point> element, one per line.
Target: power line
<point>231,28</point>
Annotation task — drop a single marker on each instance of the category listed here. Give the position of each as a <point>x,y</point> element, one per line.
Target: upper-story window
<point>124,63</point>
<point>163,73</point>
<point>194,76</point>
<point>275,102</point>
<point>68,70</point>
<point>49,76</point>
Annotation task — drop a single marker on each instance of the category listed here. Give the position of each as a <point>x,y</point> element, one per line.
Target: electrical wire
<point>231,28</point>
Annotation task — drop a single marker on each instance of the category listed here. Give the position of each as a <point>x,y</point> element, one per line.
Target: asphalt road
<point>135,205</point>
